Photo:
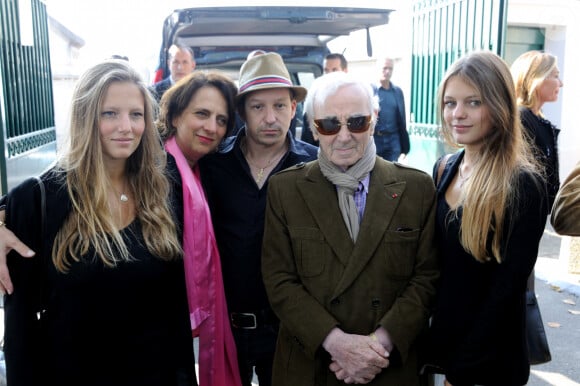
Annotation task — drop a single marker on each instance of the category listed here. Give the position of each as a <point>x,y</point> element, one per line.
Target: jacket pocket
<point>309,250</point>
<point>400,251</point>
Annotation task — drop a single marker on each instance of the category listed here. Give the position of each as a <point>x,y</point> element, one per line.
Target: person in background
<point>181,63</point>
<point>477,332</point>
<point>335,62</point>
<point>195,115</point>
<point>565,216</point>
<point>108,251</point>
<point>349,259</point>
<point>537,81</point>
<point>391,136</point>
<point>236,180</point>
<point>332,63</point>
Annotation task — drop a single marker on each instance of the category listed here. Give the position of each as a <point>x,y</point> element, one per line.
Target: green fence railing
<point>28,137</point>
<point>444,30</point>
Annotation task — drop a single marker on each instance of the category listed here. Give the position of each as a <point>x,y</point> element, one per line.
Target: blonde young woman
<point>490,216</point>
<point>537,81</point>
<point>108,277</point>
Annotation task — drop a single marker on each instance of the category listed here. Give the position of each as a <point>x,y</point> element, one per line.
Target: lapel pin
<point>394,195</point>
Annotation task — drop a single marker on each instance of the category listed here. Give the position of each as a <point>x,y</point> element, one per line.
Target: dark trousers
<point>255,349</point>
<point>388,145</point>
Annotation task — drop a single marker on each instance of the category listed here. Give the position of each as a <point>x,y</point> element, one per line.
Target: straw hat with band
<point>264,72</point>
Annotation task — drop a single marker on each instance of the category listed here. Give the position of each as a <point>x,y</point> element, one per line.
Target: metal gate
<point>444,30</point>
<point>28,135</point>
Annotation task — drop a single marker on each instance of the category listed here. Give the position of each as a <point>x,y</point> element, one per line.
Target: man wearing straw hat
<point>236,180</point>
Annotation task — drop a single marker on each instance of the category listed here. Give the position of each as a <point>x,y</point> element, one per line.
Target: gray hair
<point>329,84</point>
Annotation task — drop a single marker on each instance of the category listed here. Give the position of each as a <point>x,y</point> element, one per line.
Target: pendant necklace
<point>261,169</point>
<point>462,180</point>
<point>122,196</point>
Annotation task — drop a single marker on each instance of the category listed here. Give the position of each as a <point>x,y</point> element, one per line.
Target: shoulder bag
<point>538,349</point>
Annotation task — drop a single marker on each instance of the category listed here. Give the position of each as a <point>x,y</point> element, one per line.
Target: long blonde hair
<point>529,71</point>
<point>90,224</point>
<point>504,154</point>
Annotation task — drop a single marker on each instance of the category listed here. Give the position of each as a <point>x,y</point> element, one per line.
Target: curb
<point>555,273</point>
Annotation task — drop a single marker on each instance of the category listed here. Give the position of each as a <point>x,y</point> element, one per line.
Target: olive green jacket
<point>317,278</point>
<point>566,210</point>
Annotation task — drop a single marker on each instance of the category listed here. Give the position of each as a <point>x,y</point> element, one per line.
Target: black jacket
<point>544,140</point>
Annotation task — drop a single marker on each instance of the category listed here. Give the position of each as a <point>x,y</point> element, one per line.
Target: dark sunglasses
<point>331,126</point>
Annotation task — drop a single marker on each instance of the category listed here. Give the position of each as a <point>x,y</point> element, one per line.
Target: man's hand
<point>355,358</point>
<point>8,242</point>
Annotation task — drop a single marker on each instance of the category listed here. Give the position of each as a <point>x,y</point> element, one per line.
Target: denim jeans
<point>388,146</point>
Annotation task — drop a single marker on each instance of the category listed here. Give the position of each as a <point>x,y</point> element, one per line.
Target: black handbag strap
<point>442,162</point>
<point>42,207</point>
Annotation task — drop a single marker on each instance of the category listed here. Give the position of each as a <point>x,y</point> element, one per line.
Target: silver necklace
<point>122,196</point>
<point>462,180</point>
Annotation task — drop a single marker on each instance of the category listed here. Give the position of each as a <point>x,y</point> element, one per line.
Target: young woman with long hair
<point>107,281</point>
<point>491,204</point>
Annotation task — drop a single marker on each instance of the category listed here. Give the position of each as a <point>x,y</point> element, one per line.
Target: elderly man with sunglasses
<point>349,259</point>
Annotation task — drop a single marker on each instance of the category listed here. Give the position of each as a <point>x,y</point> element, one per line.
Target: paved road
<point>563,338</point>
<point>561,324</point>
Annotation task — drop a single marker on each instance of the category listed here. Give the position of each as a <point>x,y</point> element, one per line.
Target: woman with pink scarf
<point>195,115</point>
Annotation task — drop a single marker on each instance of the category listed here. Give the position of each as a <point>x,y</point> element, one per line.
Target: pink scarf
<point>218,363</point>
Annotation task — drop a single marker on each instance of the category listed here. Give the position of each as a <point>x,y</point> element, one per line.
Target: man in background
<point>181,63</point>
<point>335,62</point>
<point>332,63</point>
<point>391,136</point>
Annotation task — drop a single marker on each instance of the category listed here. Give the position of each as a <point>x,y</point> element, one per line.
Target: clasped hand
<point>355,358</point>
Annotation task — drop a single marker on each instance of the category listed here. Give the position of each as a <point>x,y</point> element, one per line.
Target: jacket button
<point>335,302</point>
<point>376,303</point>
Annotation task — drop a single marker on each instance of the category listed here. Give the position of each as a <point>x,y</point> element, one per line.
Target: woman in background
<point>490,216</point>
<point>537,81</point>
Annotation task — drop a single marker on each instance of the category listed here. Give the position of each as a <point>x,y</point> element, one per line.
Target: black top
<point>238,207</point>
<point>477,331</point>
<point>544,137</point>
<point>127,325</point>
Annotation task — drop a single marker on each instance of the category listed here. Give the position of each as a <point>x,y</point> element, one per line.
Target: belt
<point>253,320</point>
<point>383,133</point>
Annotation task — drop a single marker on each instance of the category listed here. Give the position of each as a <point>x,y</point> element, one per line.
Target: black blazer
<point>544,140</point>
